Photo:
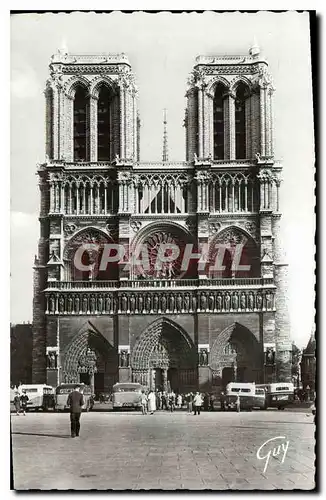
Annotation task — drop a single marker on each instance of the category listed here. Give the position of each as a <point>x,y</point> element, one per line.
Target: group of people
<point>170,401</point>
<point>20,402</point>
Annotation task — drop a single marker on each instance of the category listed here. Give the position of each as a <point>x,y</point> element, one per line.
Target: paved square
<point>163,451</point>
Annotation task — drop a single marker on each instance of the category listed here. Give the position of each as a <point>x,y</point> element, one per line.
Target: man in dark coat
<point>75,401</point>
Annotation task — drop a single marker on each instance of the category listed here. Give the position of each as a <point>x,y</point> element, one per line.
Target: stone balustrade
<point>161,283</point>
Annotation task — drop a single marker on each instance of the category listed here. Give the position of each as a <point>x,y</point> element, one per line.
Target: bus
<point>278,395</point>
<point>40,396</point>
<point>62,392</point>
<point>127,395</point>
<point>250,396</point>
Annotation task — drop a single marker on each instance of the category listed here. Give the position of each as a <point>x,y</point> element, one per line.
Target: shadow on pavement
<point>42,435</point>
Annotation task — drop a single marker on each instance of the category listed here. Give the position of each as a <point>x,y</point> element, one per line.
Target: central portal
<point>164,358</point>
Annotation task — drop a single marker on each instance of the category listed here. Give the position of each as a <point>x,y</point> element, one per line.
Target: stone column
<point>229,127</point>
<point>134,137</point>
<point>201,122</point>
<point>208,124</point>
<point>93,127</point>
<point>55,126</point>
<point>62,127</point>
<point>248,127</point>
<point>192,122</point>
<point>69,128</point>
<point>269,122</point>
<point>122,122</point>
<point>262,104</point>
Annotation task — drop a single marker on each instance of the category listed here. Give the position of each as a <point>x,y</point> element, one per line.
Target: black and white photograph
<point>162,260</point>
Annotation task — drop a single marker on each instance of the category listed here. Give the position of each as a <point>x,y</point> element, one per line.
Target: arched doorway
<point>237,356</point>
<point>90,359</point>
<point>165,358</point>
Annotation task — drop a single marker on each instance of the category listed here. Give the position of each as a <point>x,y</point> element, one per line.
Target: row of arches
<point>81,124</point>
<point>164,355</point>
<point>81,121</point>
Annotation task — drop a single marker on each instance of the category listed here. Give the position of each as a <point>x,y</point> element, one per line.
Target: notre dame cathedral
<point>190,329</point>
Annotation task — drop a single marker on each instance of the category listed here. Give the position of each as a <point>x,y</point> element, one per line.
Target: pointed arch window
<point>104,124</point>
<point>218,119</point>
<point>240,121</point>
<point>81,125</point>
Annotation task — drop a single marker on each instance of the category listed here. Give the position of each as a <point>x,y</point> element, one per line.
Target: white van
<point>40,396</point>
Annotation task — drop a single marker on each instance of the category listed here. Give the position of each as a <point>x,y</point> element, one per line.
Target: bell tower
<point>92,138</point>
<point>229,137</point>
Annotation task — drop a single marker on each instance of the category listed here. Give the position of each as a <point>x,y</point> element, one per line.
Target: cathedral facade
<point>223,316</point>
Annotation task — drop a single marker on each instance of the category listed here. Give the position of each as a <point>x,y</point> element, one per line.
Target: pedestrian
<point>17,403</point>
<point>144,403</point>
<point>151,402</point>
<point>179,401</point>
<point>197,402</point>
<point>157,395</point>
<point>190,398</point>
<point>237,403</point>
<point>172,401</point>
<point>164,401</point>
<point>75,401</point>
<point>23,400</point>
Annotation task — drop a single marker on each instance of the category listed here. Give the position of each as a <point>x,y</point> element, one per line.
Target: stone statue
<point>148,303</point>
<point>77,304</point>
<point>85,304</point>
<point>124,303</point>
<point>243,301</point>
<point>69,304</point>
<point>61,304</point>
<point>52,306</point>
<point>140,304</point>
<point>92,304</point>
<point>211,302</point>
<point>203,302</point>
<point>194,303</point>
<point>163,304</point>
<point>251,301</point>
<point>219,302</point>
<point>52,361</point>
<point>108,304</point>
<point>269,300</point>
<point>187,303</point>
<point>132,303</point>
<point>172,303</point>
<point>259,301</point>
<point>155,303</point>
<point>124,359</point>
<point>227,301</point>
<point>235,302</point>
<point>179,303</point>
<point>204,357</point>
<point>269,356</point>
<point>100,304</point>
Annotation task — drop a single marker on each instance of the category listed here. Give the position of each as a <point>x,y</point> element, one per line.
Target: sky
<point>162,49</point>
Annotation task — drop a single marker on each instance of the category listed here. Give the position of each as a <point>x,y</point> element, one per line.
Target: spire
<point>165,155</point>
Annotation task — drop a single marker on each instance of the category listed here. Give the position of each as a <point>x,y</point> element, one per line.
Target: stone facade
<point>199,327</point>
